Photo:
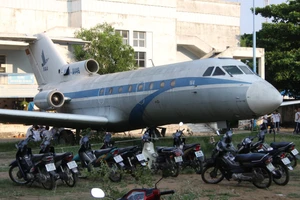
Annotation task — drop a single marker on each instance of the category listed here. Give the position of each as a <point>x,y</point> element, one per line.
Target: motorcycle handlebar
<point>167,192</point>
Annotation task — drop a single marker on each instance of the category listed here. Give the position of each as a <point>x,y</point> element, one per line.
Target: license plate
<point>199,154</point>
<point>270,167</point>
<point>178,159</point>
<point>118,158</point>
<point>286,161</point>
<point>72,164</point>
<point>50,167</point>
<point>141,157</point>
<point>295,152</point>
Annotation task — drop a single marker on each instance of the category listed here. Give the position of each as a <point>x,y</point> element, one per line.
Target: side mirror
<point>97,193</point>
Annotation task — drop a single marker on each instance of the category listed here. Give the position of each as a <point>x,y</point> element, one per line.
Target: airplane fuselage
<point>169,94</point>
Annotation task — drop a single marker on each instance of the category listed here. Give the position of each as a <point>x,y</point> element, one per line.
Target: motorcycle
<point>65,166</point>
<point>95,158</point>
<point>137,193</point>
<point>280,161</point>
<point>254,167</point>
<point>167,159</point>
<point>28,168</point>
<point>192,155</point>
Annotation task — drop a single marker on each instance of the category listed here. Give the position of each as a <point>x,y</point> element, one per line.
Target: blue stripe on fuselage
<point>136,114</point>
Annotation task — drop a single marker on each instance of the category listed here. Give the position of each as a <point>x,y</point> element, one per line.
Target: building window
<point>139,39</point>
<point>125,35</point>
<point>140,58</point>
<point>2,61</point>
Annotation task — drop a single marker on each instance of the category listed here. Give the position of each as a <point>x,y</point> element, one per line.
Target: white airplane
<point>199,91</point>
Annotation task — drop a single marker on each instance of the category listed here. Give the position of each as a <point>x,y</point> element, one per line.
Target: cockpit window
<point>208,71</point>
<point>246,69</point>
<point>232,69</point>
<point>218,72</point>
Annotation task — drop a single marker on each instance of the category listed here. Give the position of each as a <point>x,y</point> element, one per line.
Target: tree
<point>282,45</point>
<point>106,47</point>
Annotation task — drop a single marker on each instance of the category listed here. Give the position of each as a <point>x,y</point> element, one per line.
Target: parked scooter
<point>137,193</point>
<point>279,155</point>
<point>29,168</point>
<point>167,159</point>
<point>65,166</point>
<point>95,158</point>
<point>192,155</point>
<point>254,167</point>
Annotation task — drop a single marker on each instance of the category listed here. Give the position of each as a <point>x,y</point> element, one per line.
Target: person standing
<point>265,122</point>
<point>297,121</point>
<point>272,126</point>
<point>277,119</point>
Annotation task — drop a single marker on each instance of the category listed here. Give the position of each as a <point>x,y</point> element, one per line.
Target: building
<point>161,32</point>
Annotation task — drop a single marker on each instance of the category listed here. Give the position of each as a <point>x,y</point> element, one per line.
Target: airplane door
<point>140,96</point>
<point>101,96</point>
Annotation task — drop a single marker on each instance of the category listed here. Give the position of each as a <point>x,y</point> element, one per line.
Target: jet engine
<point>87,67</point>
<point>49,99</point>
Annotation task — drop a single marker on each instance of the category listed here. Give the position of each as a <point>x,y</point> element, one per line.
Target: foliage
<point>282,45</point>
<point>106,47</point>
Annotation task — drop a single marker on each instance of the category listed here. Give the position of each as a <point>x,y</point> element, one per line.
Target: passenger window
<point>101,92</point>
<point>162,84</point>
<point>232,69</point>
<point>151,86</point>
<point>246,69</point>
<point>208,71</point>
<point>110,90</point>
<point>218,72</point>
<point>130,88</point>
<point>173,83</point>
<point>120,89</point>
<point>140,87</point>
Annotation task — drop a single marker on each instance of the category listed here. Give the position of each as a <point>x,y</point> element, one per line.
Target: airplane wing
<point>51,119</point>
<point>286,103</point>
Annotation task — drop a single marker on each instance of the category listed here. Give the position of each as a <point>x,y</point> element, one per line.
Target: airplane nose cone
<point>263,98</point>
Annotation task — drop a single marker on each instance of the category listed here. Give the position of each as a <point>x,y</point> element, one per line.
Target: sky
<point>247,16</point>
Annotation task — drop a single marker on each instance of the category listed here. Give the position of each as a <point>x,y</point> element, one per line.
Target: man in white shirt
<point>277,120</point>
<point>297,121</point>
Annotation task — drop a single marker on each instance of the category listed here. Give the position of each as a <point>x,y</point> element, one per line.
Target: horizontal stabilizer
<point>51,119</point>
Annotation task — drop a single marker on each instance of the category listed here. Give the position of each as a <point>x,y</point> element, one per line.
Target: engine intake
<point>49,99</point>
<point>87,67</point>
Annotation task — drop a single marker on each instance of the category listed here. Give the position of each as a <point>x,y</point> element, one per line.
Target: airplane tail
<point>45,60</point>
<point>50,67</point>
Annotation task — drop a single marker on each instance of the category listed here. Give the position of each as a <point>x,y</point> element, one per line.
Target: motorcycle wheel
<point>212,175</point>
<point>115,174</point>
<point>16,176</point>
<point>50,183</point>
<point>293,159</point>
<point>197,165</point>
<point>262,177</point>
<point>284,174</point>
<point>71,177</point>
<point>173,169</point>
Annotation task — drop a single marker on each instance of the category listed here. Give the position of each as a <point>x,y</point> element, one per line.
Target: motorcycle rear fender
<point>14,163</point>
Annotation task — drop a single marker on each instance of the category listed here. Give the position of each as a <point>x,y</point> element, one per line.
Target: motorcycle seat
<point>249,157</point>
<point>164,149</point>
<point>60,156</point>
<point>277,145</point>
<point>188,146</point>
<point>37,157</point>
<point>129,148</point>
<point>101,152</point>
